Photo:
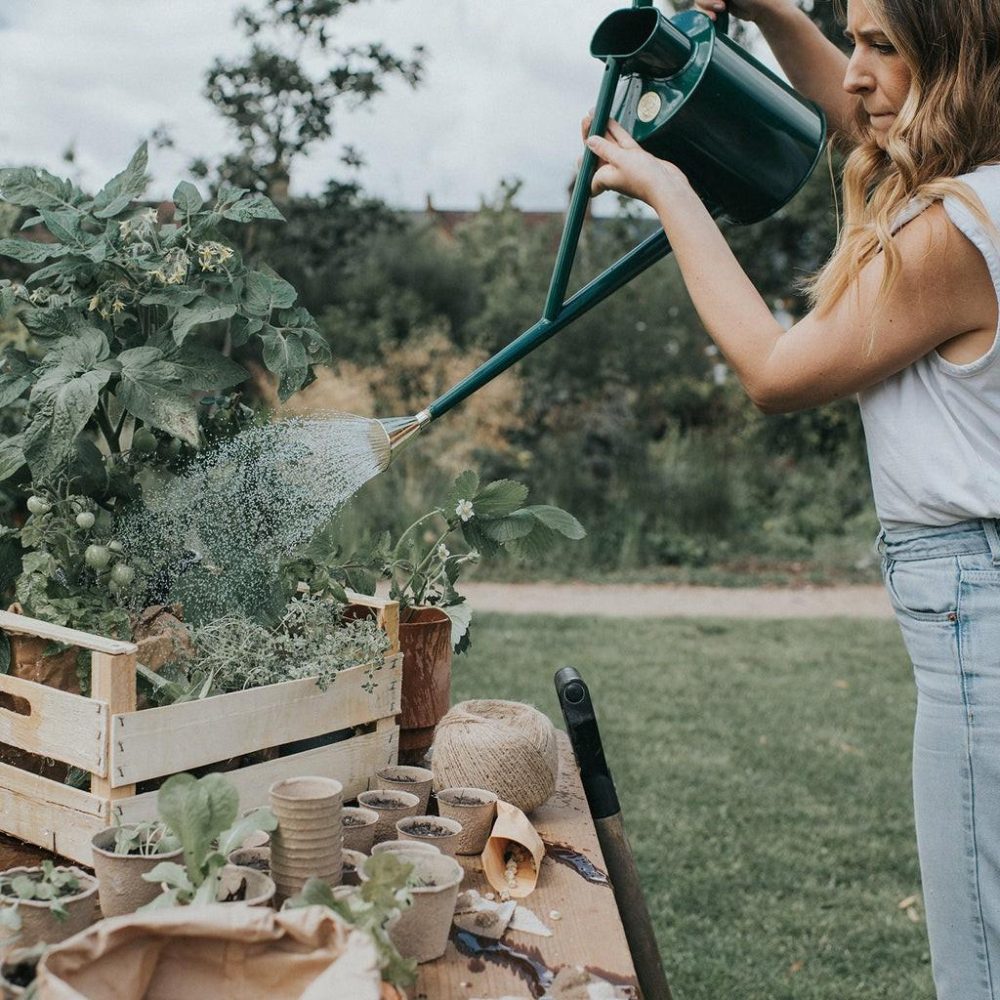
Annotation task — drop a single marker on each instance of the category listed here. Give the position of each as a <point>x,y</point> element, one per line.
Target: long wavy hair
<point>948,125</point>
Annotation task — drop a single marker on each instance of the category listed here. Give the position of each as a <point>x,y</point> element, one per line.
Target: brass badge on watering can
<point>649,106</point>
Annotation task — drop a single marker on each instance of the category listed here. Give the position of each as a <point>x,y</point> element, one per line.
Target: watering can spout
<point>399,431</point>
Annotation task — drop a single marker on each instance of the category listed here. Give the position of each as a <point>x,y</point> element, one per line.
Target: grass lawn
<point>763,769</point>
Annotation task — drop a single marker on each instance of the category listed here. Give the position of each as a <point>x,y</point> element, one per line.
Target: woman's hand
<point>627,168</point>
<point>747,10</point>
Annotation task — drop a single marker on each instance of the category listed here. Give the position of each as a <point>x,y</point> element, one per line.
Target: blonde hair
<point>948,125</point>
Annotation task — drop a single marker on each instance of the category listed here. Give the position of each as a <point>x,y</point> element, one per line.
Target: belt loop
<point>880,543</point>
<point>993,537</point>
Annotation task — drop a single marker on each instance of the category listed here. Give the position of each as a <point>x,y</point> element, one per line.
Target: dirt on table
<point>679,601</point>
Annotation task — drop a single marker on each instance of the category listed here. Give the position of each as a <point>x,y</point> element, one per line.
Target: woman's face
<point>876,73</point>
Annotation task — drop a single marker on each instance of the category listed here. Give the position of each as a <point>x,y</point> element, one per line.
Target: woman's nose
<point>858,79</point>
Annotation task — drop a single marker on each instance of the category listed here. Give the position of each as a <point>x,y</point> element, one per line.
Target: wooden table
<point>588,932</point>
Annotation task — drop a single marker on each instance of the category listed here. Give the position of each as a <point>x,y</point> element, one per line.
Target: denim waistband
<point>964,538</point>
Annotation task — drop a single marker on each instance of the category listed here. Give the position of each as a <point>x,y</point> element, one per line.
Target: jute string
<point>504,746</point>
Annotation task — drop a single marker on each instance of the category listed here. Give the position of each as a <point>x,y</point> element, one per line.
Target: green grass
<point>763,769</point>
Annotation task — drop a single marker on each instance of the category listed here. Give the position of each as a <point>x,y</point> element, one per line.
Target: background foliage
<point>629,419</point>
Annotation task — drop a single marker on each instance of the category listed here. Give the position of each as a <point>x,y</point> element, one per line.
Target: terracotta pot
<point>38,923</point>
<point>475,809</point>
<point>400,778</point>
<point>359,835</point>
<point>445,836</point>
<point>425,642</point>
<point>122,889</point>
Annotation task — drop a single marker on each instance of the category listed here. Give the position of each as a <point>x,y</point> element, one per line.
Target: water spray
<point>688,94</point>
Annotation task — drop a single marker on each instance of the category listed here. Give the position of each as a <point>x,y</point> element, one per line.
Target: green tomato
<point>116,546</point>
<point>39,505</point>
<point>85,520</point>
<point>144,441</point>
<point>122,574</point>
<point>97,557</point>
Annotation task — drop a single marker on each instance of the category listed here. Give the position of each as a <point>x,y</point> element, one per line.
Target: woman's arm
<point>943,291</point>
<point>813,64</point>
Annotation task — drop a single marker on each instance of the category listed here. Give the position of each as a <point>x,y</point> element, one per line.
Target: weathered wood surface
<point>24,625</point>
<point>54,723</point>
<point>589,932</point>
<point>160,741</point>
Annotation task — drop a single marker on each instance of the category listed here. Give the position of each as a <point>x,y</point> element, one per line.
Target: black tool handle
<point>722,22</point>
<point>581,724</point>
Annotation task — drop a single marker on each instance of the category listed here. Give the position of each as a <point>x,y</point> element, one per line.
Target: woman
<point>905,315</point>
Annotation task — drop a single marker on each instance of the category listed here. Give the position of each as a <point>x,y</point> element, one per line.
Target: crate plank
<point>351,762</point>
<point>54,723</point>
<point>159,741</point>
<point>24,625</point>
<point>112,681</point>
<point>50,814</point>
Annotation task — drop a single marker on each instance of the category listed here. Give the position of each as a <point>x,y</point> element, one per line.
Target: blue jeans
<point>944,584</point>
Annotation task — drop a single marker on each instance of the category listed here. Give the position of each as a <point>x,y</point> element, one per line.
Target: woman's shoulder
<point>985,181</point>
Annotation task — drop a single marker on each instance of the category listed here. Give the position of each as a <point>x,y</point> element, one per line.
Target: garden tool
<point>599,786</point>
<point>687,93</point>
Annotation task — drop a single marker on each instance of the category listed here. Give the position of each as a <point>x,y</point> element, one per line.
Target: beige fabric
<point>225,952</point>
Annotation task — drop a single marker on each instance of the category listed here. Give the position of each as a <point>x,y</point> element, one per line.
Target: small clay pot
<point>259,891</point>
<point>38,923</point>
<point>359,828</point>
<point>442,833</point>
<point>417,780</point>
<point>475,809</point>
<point>353,860</point>
<point>422,930</point>
<point>257,858</point>
<point>404,846</point>
<point>390,806</point>
<point>122,889</point>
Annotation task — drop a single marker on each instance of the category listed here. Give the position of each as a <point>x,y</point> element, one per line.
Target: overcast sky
<point>506,84</point>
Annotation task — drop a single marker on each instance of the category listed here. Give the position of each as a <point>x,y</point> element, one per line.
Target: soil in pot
<point>475,809</point>
<point>417,780</point>
<point>257,858</point>
<point>443,833</point>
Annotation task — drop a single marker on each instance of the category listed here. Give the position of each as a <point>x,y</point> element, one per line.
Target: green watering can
<point>746,141</point>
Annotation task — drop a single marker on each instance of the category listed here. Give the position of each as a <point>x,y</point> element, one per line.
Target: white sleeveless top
<point>933,429</point>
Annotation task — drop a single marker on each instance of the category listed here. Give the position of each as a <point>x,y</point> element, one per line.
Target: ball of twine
<point>503,746</point>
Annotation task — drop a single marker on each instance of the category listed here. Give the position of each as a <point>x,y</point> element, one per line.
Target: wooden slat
<point>64,726</point>
<point>160,741</point>
<point>50,814</point>
<point>24,625</point>
<point>387,615</point>
<point>351,762</point>
<point>112,680</point>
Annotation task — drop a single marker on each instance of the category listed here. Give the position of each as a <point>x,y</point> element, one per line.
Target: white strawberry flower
<point>464,510</point>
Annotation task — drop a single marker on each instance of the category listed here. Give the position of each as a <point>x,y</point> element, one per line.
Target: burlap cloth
<point>225,952</point>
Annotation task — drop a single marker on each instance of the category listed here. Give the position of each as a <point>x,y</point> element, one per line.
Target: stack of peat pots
<point>309,838</point>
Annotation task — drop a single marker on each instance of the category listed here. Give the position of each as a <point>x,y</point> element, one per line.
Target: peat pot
<point>444,834</point>
<point>121,887</point>
<point>38,923</point>
<point>425,642</point>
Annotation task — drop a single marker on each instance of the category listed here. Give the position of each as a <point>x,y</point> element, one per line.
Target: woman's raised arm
<point>813,64</point>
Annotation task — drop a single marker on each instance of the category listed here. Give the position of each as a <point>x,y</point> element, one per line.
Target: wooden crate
<point>120,747</point>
